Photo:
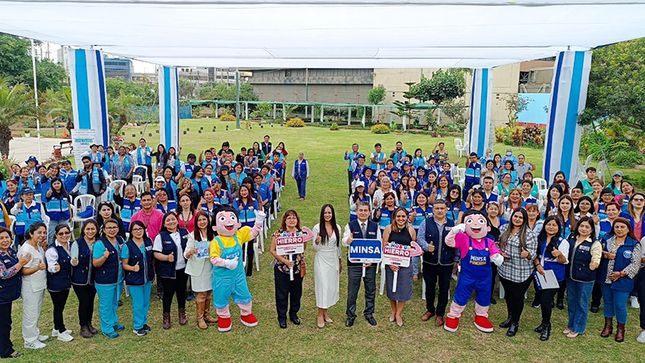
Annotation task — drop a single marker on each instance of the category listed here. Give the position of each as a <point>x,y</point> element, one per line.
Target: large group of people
<point>180,232</point>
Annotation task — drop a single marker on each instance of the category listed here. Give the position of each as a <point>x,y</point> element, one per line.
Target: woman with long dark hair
<point>550,205</point>
<point>327,264</point>
<point>138,269</point>
<point>518,244</point>
<point>162,158</point>
<point>106,212</point>
<point>57,207</point>
<point>246,207</point>
<point>34,283</point>
<point>552,255</point>
<point>83,275</point>
<point>168,247</point>
<point>359,195</point>
<point>456,206</point>
<point>59,279</point>
<point>186,213</point>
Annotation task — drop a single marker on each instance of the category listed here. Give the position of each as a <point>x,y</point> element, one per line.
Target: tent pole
<point>237,99</point>
<point>33,62</point>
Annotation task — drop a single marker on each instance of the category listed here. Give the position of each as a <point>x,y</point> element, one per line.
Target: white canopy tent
<point>327,33</point>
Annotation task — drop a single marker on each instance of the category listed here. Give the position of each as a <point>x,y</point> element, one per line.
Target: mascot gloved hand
<point>477,251</point>
<point>229,279</point>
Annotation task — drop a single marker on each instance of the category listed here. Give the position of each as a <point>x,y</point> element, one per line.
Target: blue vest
<point>189,170</point>
<point>558,268</point>
<point>61,280</point>
<point>200,186</point>
<point>442,255</point>
<point>455,209</point>
<point>82,274</point>
<point>605,228</point>
<point>171,188</point>
<point>385,218</point>
<point>146,272</point>
<point>108,273</point>
<point>371,232</point>
<point>579,260</point>
<point>623,259</point>
<point>128,210</point>
<point>27,217</point>
<point>166,269</point>
<point>300,169</point>
<point>69,179</point>
<point>246,212</point>
<point>172,207</point>
<point>473,174</point>
<point>221,198</point>
<point>10,288</point>
<point>58,208</point>
<point>141,159</point>
<point>421,215</point>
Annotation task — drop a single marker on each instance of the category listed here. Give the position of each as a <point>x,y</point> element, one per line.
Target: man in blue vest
<point>353,160</point>
<point>68,175</point>
<point>144,157</point>
<point>439,260</point>
<point>300,174</point>
<point>398,153</point>
<point>361,228</point>
<point>473,173</point>
<point>91,178</point>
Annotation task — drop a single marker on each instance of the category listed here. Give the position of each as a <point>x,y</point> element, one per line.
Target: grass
<point>415,341</point>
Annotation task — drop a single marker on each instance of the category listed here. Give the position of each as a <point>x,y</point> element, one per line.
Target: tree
<point>376,96</point>
<point>122,109</point>
<point>142,93</point>
<point>225,92</point>
<point>516,104</point>
<point>455,110</point>
<point>49,76</point>
<point>617,85</point>
<point>443,86</point>
<point>16,105</point>
<point>58,105</point>
<point>15,62</point>
<point>186,89</point>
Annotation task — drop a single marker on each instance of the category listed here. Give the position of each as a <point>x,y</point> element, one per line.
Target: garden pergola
<point>478,34</point>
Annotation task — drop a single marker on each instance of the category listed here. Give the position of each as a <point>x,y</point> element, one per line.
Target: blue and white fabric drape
<point>568,97</point>
<point>89,99</point>
<point>480,111</point>
<point>169,106</point>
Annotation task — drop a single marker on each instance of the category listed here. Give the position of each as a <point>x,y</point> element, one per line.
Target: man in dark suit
<point>439,260</point>
<point>361,228</point>
<point>267,147</point>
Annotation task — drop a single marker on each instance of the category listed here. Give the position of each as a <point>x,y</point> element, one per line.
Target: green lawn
<point>415,341</point>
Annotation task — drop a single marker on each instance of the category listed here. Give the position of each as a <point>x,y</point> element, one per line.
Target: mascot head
<point>225,221</point>
<point>477,224</point>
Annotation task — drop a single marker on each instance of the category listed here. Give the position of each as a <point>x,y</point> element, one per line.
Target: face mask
<point>509,153</point>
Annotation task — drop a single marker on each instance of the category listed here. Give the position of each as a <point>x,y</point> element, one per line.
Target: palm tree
<point>58,104</point>
<point>16,104</point>
<point>122,110</point>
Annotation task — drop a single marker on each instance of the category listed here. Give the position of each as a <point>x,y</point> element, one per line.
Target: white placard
<point>81,141</point>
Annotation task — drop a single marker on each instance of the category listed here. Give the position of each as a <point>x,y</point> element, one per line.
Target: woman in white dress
<point>200,268</point>
<point>327,264</point>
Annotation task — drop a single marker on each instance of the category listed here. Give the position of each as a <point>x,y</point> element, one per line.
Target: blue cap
<point>395,169</point>
<point>26,190</point>
<point>360,156</point>
<point>32,158</point>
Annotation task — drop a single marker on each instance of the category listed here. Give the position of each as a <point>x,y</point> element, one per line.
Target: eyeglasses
<point>137,229</point>
<point>639,200</point>
<point>64,233</point>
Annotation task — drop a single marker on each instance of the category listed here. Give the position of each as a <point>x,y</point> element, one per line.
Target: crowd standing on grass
<point>149,218</point>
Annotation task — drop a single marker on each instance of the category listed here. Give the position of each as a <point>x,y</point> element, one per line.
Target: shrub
<point>224,111</point>
<point>380,129</point>
<point>334,127</point>
<point>295,122</point>
<point>227,118</point>
<point>629,159</point>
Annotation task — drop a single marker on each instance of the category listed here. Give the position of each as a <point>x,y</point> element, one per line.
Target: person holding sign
<point>399,292</point>
<point>139,274</point>
<point>288,272</point>
<point>229,279</point>
<point>199,267</point>
<point>552,256</point>
<point>477,252</point>
<point>327,264</point>
<point>361,228</point>
<point>439,260</point>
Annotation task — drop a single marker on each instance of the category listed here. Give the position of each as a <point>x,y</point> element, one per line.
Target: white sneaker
<point>65,337</point>
<point>641,337</point>
<point>634,301</point>
<point>42,338</point>
<point>56,333</point>
<point>35,345</point>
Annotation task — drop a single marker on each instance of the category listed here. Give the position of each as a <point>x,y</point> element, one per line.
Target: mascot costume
<point>477,252</point>
<point>229,279</point>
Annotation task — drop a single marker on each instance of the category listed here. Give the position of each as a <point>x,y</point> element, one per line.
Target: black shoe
<point>371,320</point>
<point>594,309</point>
<point>295,320</point>
<point>560,305</point>
<point>190,295</point>
<point>120,303</point>
<point>140,332</point>
<point>540,328</point>
<point>493,301</point>
<point>512,330</point>
<point>535,304</point>
<point>349,322</point>
<point>506,323</point>
<point>146,327</point>
<point>546,333</point>
<point>160,295</point>
<point>283,325</point>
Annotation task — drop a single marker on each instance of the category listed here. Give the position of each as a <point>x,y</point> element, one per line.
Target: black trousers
<point>175,286</point>
<point>287,294</point>
<point>59,299</point>
<point>562,289</point>
<point>85,295</point>
<point>6,347</point>
<point>546,304</point>
<point>492,286</point>
<point>596,295</point>
<point>640,288</point>
<point>354,276</point>
<point>250,255</point>
<point>350,178</point>
<point>514,296</point>
<point>149,172</point>
<point>432,273</point>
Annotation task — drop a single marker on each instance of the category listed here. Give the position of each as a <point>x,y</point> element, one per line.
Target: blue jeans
<point>108,303</point>
<point>140,304</point>
<point>302,187</point>
<point>578,295</point>
<point>615,303</point>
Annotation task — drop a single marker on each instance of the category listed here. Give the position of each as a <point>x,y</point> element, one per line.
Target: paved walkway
<point>20,148</point>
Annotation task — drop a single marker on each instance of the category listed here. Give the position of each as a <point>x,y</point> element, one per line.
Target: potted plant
<point>27,132</point>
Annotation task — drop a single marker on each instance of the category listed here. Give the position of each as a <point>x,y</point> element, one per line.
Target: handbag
<point>87,213</point>
<point>303,268</point>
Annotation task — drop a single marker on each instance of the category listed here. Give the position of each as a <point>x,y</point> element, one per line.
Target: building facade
<point>118,68</point>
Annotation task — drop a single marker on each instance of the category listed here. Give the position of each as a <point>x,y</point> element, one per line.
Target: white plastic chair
<point>461,147</point>
<point>462,176</point>
<point>602,170</point>
<point>139,183</point>
<point>107,195</point>
<point>122,184</point>
<point>382,287</point>
<point>542,187</point>
<point>80,204</point>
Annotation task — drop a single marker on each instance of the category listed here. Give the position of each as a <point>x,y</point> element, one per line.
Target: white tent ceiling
<point>327,33</point>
